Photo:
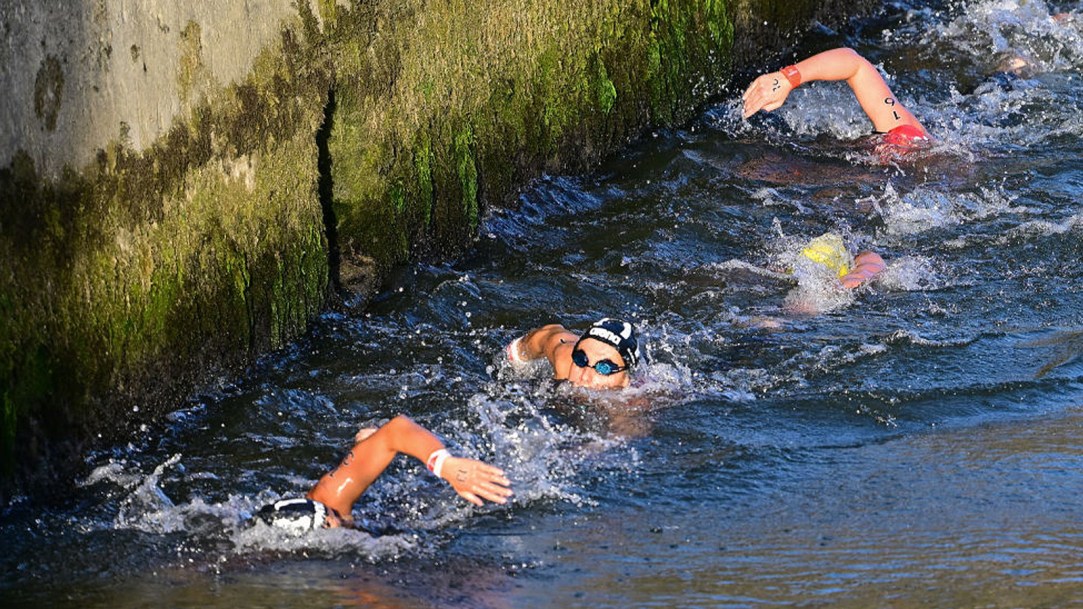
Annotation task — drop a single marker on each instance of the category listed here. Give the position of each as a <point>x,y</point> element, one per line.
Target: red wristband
<point>793,75</point>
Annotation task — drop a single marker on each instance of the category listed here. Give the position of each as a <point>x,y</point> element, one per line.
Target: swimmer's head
<point>828,250</point>
<point>297,516</point>
<point>605,361</point>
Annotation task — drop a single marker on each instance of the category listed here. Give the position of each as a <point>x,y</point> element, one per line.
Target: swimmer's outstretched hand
<point>866,266</point>
<point>767,93</point>
<point>474,480</point>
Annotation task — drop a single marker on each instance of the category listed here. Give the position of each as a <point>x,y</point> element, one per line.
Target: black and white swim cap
<point>619,334</point>
<point>295,515</point>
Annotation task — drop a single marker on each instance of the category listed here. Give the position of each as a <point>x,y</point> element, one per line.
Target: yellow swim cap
<point>828,250</point>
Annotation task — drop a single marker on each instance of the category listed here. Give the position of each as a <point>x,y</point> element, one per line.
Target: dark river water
<point>915,443</point>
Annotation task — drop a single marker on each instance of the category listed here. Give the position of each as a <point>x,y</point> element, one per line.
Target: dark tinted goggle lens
<point>603,367</point>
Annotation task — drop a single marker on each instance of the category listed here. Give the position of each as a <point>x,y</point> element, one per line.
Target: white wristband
<point>435,462</point>
<point>513,352</point>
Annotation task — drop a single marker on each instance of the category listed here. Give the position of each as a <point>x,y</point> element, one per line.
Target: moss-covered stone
<point>134,279</point>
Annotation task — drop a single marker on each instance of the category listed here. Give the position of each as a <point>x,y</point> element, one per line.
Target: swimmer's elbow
<point>398,427</point>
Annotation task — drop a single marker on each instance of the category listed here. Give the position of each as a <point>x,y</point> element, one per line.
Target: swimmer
<point>829,251</point>
<point>600,358</point>
<point>330,502</point>
<point>888,116</point>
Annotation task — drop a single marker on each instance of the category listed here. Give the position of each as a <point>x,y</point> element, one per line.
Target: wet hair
<point>618,334</point>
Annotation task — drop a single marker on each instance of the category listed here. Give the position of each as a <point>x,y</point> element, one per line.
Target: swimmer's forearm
<point>769,91</point>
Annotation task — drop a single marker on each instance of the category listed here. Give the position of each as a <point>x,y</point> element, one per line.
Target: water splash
<point>1020,36</point>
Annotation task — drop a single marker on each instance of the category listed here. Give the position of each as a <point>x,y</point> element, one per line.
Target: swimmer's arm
<point>341,487</point>
<point>543,342</point>
<point>471,479</point>
<point>769,92</point>
<point>866,266</point>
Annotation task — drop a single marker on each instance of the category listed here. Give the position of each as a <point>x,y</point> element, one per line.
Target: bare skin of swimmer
<point>866,266</point>
<point>374,450</point>
<point>769,91</point>
<point>556,343</point>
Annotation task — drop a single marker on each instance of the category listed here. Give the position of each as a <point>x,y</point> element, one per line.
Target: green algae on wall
<point>129,282</point>
<point>444,108</point>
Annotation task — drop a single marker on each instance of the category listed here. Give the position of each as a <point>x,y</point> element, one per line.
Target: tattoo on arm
<point>776,87</point>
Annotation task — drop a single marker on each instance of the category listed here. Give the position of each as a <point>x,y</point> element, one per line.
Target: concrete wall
<point>77,75</point>
<point>185,185</point>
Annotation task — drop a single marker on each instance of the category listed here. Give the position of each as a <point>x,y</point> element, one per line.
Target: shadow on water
<point>909,444</point>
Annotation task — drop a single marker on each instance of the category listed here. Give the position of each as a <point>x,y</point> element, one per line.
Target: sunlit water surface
<point>915,443</point>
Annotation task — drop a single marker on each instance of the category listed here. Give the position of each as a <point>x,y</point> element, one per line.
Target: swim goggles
<point>603,367</point>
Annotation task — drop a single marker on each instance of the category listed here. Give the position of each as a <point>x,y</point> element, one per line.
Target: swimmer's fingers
<point>851,281</point>
<point>492,473</point>
<point>496,494</point>
<point>767,93</point>
<point>761,83</point>
<point>871,259</point>
<point>472,498</point>
<point>474,480</point>
<point>490,483</point>
<point>867,265</point>
<point>363,434</point>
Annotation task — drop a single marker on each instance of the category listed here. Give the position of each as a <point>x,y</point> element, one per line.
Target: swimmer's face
<point>589,377</point>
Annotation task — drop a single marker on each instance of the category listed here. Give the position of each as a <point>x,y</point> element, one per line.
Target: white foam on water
<point>145,507</point>
<point>1041,51</point>
<point>818,291</point>
<point>925,208</point>
<point>1026,36</point>
<point>911,274</point>
<point>749,384</point>
<point>261,537</point>
<point>914,338</point>
<point>728,266</point>
<point>527,445</point>
<point>1044,228</point>
<point>916,211</point>
<point>113,472</point>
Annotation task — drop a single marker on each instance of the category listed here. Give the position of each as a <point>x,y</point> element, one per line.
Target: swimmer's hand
<point>866,266</point>
<point>767,93</point>
<point>474,480</point>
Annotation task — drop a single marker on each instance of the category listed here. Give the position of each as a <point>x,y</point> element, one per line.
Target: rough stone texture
<point>157,227</point>
<point>78,74</point>
<point>182,182</point>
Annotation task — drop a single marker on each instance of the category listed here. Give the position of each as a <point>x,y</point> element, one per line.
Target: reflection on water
<point>912,443</point>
